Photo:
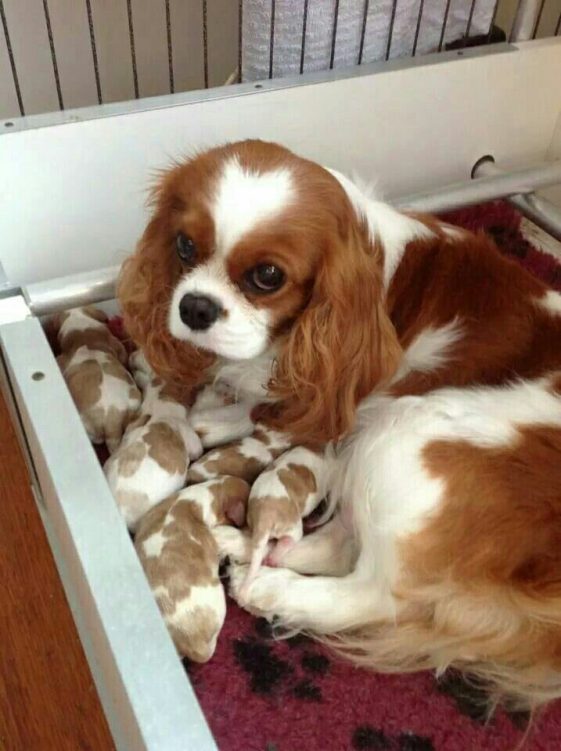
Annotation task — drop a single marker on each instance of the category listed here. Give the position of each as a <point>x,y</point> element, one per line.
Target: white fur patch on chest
<point>244,199</point>
<point>248,379</point>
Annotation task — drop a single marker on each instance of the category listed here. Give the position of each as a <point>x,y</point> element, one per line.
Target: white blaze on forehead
<point>243,199</point>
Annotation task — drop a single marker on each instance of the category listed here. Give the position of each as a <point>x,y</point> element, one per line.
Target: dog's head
<point>252,248</point>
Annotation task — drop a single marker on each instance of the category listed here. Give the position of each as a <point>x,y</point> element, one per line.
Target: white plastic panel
<point>72,195</point>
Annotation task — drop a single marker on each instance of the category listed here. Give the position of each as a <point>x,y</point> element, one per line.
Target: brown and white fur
<point>93,362</point>
<point>246,458</point>
<point>177,550</point>
<point>280,498</point>
<point>152,460</point>
<point>431,362</point>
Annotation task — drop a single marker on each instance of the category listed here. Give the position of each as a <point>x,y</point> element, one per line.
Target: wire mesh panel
<point>60,54</point>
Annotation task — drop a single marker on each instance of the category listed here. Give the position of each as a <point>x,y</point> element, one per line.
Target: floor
<point>47,697</point>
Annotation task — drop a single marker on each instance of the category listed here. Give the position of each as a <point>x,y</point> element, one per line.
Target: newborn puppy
<point>92,363</point>
<point>244,458</point>
<point>152,461</point>
<point>280,498</point>
<point>180,558</point>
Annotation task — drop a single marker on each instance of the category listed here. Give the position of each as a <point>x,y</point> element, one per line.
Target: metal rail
<point>539,210</point>
<point>489,188</point>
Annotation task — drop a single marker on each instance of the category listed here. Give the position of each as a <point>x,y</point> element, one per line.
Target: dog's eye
<point>186,248</point>
<point>265,278</point>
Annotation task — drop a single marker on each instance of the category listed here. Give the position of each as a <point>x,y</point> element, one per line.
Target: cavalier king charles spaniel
<point>426,365</point>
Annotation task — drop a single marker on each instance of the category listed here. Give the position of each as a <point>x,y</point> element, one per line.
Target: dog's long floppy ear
<point>342,346</point>
<point>144,290</point>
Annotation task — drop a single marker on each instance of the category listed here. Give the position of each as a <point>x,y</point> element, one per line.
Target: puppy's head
<point>249,248</point>
<point>85,326</point>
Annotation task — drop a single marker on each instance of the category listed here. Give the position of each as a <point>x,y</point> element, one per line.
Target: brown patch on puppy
<point>130,458</point>
<point>115,422</point>
<point>299,482</point>
<point>227,461</point>
<point>166,447</point>
<point>271,517</point>
<point>134,501</point>
<point>189,550</point>
<point>187,558</point>
<point>84,383</point>
<point>112,367</point>
<point>98,339</point>
<point>203,627</point>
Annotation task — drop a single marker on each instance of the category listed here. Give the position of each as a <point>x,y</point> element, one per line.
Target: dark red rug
<point>259,694</point>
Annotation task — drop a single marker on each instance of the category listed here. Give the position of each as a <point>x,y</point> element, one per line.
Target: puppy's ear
<point>144,290</point>
<point>342,346</point>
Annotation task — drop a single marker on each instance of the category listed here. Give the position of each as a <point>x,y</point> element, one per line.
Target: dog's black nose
<point>198,312</point>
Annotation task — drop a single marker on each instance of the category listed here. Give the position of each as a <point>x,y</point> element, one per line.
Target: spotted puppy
<point>180,558</point>
<point>152,461</point>
<point>92,362</point>
<point>285,493</point>
<point>245,458</point>
<point>279,500</point>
